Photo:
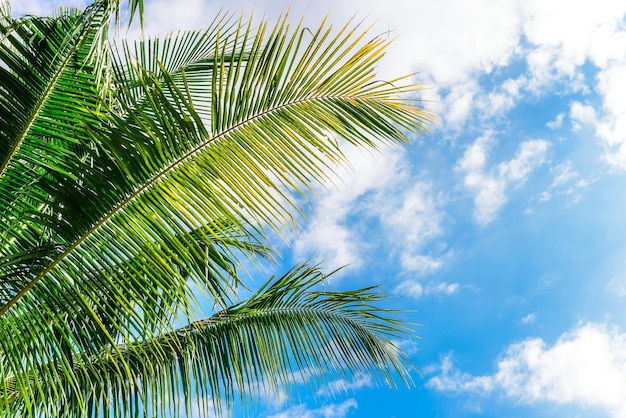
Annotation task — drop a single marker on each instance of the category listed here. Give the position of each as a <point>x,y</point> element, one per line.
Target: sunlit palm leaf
<point>288,331</point>
<point>45,71</point>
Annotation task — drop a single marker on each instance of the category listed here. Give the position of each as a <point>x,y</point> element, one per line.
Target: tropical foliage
<point>135,177</point>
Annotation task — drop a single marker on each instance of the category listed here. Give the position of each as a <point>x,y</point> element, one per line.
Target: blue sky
<point>504,229</point>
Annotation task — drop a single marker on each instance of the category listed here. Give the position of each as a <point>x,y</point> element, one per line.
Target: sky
<point>504,229</point>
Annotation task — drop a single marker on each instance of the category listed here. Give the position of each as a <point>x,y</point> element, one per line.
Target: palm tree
<point>134,179</point>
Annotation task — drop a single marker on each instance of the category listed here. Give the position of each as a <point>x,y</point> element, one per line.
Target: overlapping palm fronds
<point>132,175</point>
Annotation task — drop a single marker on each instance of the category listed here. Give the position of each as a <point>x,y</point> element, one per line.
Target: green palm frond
<point>131,177</point>
<point>286,332</point>
<point>190,52</point>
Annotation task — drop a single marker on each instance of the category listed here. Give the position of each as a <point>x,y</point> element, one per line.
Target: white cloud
<point>582,115</point>
<point>489,192</point>
<point>328,238</point>
<point>416,290</point>
<point>563,38</point>
<point>557,122</point>
<point>585,367</point>
<point>466,40</point>
<point>420,264</point>
<point>458,104</point>
<point>565,35</point>
<point>566,181</point>
<point>462,38</point>
<point>489,186</point>
<point>442,288</point>
<point>529,319</point>
<point>415,215</point>
<point>612,127</point>
<point>475,157</point>
<point>411,219</point>
<point>530,154</point>
<point>451,379</point>
<point>374,191</point>
<point>410,288</point>
<point>607,43</point>
<point>339,410</point>
<point>327,234</point>
<point>408,345</point>
<point>564,174</point>
<point>560,38</point>
<point>502,99</point>
<point>609,83</point>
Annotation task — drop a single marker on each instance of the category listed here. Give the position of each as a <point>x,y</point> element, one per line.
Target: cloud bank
<point>584,367</point>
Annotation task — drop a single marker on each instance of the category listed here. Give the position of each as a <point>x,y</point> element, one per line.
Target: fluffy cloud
<point>489,186</point>
<point>572,34</point>
<point>529,155</point>
<point>412,219</point>
<point>340,410</point>
<point>488,190</point>
<point>612,127</point>
<point>448,41</point>
<point>373,192</point>
<point>327,235</point>
<point>566,181</point>
<point>416,290</point>
<point>502,99</point>
<point>557,122</point>
<point>585,367</point>
<point>420,264</point>
<point>528,319</point>
<point>563,38</point>
<point>582,115</point>
<point>451,379</point>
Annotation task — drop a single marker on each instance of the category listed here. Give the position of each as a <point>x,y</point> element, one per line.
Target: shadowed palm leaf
<point>133,178</point>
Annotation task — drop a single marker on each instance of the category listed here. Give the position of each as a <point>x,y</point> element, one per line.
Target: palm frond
<point>256,146</point>
<point>47,89</point>
<point>288,331</point>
